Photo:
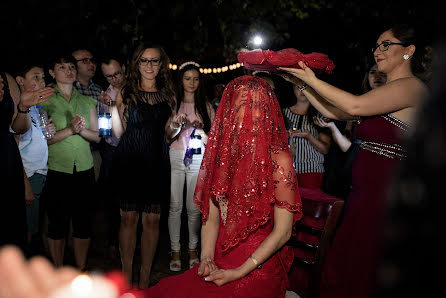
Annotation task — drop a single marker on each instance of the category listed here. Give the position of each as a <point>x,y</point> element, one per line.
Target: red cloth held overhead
<point>268,60</point>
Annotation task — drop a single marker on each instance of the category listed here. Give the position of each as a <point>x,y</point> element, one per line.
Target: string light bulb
<point>211,70</point>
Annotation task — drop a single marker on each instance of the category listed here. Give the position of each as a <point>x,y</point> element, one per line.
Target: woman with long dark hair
<point>141,167</point>
<point>194,117</point>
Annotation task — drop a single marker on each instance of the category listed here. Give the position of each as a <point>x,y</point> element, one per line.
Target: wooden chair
<point>314,232</point>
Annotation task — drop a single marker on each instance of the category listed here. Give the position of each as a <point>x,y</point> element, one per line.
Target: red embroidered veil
<point>247,167</point>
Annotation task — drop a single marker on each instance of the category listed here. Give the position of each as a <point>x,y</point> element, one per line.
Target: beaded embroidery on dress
<point>388,149</point>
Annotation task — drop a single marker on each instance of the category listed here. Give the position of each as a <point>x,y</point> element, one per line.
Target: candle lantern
<point>105,124</point>
<point>195,144</point>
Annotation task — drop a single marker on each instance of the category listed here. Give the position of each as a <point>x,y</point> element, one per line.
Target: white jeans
<point>179,172</point>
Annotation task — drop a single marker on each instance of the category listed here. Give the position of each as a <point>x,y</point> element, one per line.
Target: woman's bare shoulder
<point>409,82</point>
<point>411,88</point>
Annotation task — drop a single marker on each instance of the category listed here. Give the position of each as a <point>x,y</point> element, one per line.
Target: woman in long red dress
<point>384,114</point>
<point>248,195</point>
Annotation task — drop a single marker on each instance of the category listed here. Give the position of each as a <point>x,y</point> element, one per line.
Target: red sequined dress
<point>246,171</point>
<point>350,269</point>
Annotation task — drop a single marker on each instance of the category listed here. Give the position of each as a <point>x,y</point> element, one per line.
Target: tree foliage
<point>209,31</point>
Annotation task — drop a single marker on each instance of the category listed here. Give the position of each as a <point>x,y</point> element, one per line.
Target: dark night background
<point>211,31</point>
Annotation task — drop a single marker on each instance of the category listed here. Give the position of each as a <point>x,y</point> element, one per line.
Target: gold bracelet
<point>255,262</point>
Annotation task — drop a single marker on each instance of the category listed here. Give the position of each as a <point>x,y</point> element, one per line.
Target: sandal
<point>175,265</point>
<point>193,260</point>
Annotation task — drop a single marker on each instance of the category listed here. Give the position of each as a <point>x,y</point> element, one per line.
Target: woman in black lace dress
<point>141,164</point>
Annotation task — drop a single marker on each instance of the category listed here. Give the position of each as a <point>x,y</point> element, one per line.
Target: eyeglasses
<point>384,46</point>
<point>113,76</point>
<point>145,62</point>
<point>87,60</point>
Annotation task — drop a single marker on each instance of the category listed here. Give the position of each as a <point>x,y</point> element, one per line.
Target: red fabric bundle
<point>268,60</point>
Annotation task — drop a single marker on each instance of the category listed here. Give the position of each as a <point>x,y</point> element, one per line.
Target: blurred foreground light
<point>82,285</point>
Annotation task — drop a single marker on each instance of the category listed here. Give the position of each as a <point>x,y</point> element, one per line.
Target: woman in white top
<point>194,116</point>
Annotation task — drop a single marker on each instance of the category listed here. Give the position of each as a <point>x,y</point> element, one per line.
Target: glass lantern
<point>195,144</point>
<point>105,124</point>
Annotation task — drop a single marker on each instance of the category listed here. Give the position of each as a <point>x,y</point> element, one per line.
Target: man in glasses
<point>86,69</point>
<point>114,73</point>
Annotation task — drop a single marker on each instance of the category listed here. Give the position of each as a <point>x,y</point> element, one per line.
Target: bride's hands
<point>223,276</point>
<point>207,266</point>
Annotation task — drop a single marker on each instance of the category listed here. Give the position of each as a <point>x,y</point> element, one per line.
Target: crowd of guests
<point>66,161</point>
<point>243,178</point>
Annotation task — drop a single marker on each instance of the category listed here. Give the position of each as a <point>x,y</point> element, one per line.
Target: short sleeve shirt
<point>33,147</point>
<point>73,151</point>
